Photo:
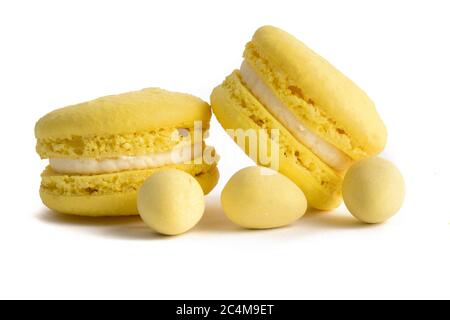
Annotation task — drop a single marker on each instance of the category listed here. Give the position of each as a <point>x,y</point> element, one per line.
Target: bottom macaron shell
<point>115,204</point>
<point>236,108</point>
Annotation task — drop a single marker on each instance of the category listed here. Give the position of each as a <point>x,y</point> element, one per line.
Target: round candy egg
<point>373,190</point>
<point>260,198</point>
<point>171,202</point>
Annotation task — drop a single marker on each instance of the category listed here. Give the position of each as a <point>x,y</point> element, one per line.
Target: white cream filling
<point>328,153</point>
<point>177,155</point>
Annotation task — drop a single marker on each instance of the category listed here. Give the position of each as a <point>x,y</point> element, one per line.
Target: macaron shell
<point>236,108</point>
<point>339,109</point>
<point>116,204</point>
<point>108,183</point>
<point>136,111</point>
<point>111,146</point>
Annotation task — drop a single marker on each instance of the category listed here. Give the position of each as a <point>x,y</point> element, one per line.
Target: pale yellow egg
<point>373,190</point>
<point>260,198</point>
<point>171,202</point>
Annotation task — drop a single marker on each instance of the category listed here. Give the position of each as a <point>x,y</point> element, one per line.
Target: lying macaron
<point>325,122</point>
<point>102,151</point>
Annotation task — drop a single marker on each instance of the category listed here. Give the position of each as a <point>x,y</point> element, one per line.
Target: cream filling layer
<point>97,166</point>
<point>328,153</point>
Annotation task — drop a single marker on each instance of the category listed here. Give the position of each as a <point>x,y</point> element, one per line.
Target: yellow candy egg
<point>260,198</point>
<point>171,202</point>
<point>373,190</point>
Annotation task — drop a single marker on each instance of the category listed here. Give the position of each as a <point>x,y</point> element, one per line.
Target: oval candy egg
<point>260,198</point>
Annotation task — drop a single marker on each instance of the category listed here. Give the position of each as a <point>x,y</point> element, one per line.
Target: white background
<point>55,53</point>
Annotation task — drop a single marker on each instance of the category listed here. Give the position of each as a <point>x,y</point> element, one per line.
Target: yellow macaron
<point>325,121</point>
<point>101,152</point>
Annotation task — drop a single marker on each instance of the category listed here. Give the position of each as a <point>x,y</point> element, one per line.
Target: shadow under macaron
<point>121,227</point>
<point>213,221</point>
<point>53,217</point>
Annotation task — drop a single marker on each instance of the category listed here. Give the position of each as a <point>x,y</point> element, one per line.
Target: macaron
<point>325,121</point>
<point>100,152</point>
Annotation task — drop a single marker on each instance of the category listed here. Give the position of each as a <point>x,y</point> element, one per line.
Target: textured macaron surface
<point>133,123</point>
<point>316,92</point>
<point>110,183</point>
<point>131,144</point>
<point>325,121</point>
<point>236,108</point>
<point>137,111</point>
<point>121,201</point>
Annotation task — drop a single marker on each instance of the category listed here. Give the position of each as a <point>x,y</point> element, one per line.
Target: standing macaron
<point>325,121</point>
<point>102,151</point>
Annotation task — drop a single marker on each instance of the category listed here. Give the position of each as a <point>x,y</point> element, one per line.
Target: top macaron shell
<point>302,73</point>
<point>137,111</point>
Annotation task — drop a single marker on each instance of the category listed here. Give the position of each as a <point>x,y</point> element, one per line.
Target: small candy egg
<point>260,198</point>
<point>373,190</point>
<point>171,202</point>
